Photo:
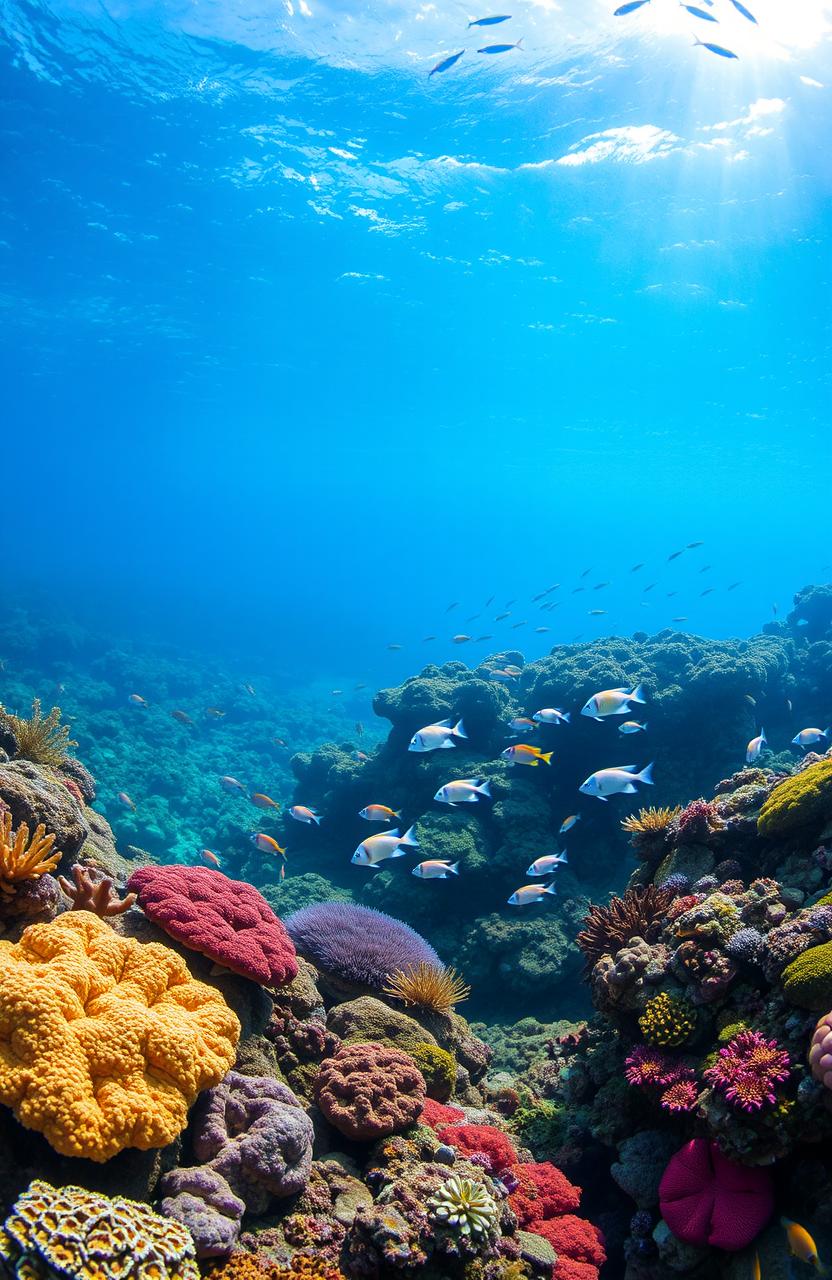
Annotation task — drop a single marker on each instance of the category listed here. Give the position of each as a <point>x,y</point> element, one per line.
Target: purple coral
<point>202,1201</point>
<point>696,822</point>
<point>678,882</point>
<point>253,1131</point>
<point>357,944</point>
<point>746,946</point>
<point>647,1066</point>
<point>747,1070</point>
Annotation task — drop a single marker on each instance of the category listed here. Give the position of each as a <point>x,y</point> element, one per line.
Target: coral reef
<point>800,805</point>
<point>357,946</point>
<point>91,891</point>
<point>367,1091</point>
<point>707,1199</point>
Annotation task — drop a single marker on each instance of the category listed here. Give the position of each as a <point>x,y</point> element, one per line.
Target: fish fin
<point>454,868</point>
<point>443,724</point>
<point>409,839</point>
<point>484,789</point>
<point>626,768</point>
<point>397,853</point>
<point>763,738</point>
<point>628,790</point>
<point>443,746</point>
<point>600,719</point>
<point>397,813</point>
<point>395,832</point>
<point>546,756</point>
<point>606,798</point>
<point>567,716</point>
<point>550,888</point>
<point>638,694</point>
<point>646,774</point>
<point>519,44</point>
<point>459,730</point>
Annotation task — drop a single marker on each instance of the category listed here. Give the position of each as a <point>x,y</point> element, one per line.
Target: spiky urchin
<point>463,1205</point>
<point>429,986</point>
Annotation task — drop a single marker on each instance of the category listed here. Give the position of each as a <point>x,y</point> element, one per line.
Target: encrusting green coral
<point>41,739</point>
<point>800,803</point>
<point>807,981</point>
<point>439,1069</point>
<point>667,1021</point>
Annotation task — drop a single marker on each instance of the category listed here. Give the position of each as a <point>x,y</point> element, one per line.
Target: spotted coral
<point>799,804</point>
<point>667,1020</point>
<point>428,986</point>
<point>638,914</point>
<point>69,1231</point>
<point>747,1069</point>
<point>21,857</point>
<point>807,981</point>
<point>367,1091</point>
<point>105,1042</point>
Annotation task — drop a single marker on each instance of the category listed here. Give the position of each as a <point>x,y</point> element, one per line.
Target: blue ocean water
<point>302,344</point>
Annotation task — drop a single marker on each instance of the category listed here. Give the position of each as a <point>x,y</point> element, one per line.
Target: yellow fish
<point>266,844</point>
<point>523,753</point>
<point>756,1273</point>
<point>801,1245</point>
<point>263,801</point>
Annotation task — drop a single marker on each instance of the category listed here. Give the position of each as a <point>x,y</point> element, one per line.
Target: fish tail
<point>485,789</point>
<point>519,44</point>
<point>453,867</point>
<point>550,888</point>
<point>546,757</point>
<point>646,774</point>
<point>458,730</point>
<point>567,716</point>
<point>637,694</point>
<point>409,838</point>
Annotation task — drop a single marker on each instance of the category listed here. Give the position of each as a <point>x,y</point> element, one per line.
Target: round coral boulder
<point>820,1051</point>
<point>707,1199</point>
<point>226,920</point>
<point>367,1091</point>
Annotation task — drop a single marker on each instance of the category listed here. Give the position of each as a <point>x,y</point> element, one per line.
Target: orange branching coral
<point>42,739</point>
<point>650,822</point>
<point>105,1042</point>
<point>94,893</point>
<point>428,986</point>
<point>22,858</point>
<point>639,914</point>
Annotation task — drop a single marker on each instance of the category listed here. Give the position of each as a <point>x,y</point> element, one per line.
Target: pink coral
<point>647,1066</point>
<point>368,1091</point>
<point>437,1113</point>
<point>481,1139</point>
<point>707,1199</point>
<point>226,920</point>
<point>696,822</point>
<point>820,1052</point>
<point>747,1070</point>
<point>680,1097</point>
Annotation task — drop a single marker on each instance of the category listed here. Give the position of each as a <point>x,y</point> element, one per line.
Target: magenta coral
<point>820,1051</point>
<point>647,1065</point>
<point>707,1199</point>
<point>747,1070</point>
<point>226,920</point>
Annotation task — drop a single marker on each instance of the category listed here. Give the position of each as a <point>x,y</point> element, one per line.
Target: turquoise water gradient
<point>300,344</point>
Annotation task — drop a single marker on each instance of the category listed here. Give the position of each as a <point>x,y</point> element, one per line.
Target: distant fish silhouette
<point>740,8</point>
<point>502,48</point>
<point>717,49</point>
<point>489,22</point>
<point>699,13</point>
<point>446,63</point>
<point>629,8</point>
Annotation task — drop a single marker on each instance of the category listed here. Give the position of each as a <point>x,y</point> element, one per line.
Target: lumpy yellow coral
<point>69,1231</point>
<point>667,1021</point>
<point>105,1041</point>
<point>22,858</point>
<point>800,803</point>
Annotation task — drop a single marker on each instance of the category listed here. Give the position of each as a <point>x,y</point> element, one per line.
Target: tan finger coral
<point>105,1041</point>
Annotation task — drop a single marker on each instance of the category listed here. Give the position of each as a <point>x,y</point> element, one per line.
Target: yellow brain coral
<point>802,803</point>
<point>68,1231</point>
<point>105,1041</point>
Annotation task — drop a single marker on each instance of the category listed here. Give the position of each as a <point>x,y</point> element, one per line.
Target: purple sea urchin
<point>358,944</point>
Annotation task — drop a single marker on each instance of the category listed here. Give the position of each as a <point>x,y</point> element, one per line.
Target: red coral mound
<point>542,1192</point>
<point>578,1244</point>
<point>226,920</point>
<point>436,1113</point>
<point>707,1199</point>
<point>367,1091</point>
<point>480,1139</point>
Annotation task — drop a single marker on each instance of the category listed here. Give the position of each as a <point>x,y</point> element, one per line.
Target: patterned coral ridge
<point>367,1091</point>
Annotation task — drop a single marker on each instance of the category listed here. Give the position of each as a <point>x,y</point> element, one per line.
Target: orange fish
<point>523,753</point>
<point>182,717</point>
<point>801,1245</point>
<point>266,844</point>
<point>210,857</point>
<point>263,801</point>
<point>126,801</point>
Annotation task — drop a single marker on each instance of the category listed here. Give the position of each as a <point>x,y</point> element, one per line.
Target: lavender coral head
<point>747,1070</point>
<point>357,944</point>
<point>678,882</point>
<point>746,946</point>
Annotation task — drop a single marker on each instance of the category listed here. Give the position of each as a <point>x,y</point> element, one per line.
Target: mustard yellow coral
<point>802,803</point>
<point>72,1232</point>
<point>22,858</point>
<point>667,1020</point>
<point>105,1041</point>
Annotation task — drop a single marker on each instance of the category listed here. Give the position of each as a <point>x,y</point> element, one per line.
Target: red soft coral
<point>436,1113</point>
<point>578,1244</point>
<point>226,920</point>
<point>471,1139</point>
<point>542,1192</point>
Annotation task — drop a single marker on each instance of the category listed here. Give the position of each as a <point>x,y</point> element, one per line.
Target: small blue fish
<point>489,22</point>
<point>740,8</point>
<point>717,49</point>
<point>699,13</point>
<point>502,48</point>
<point>629,8</point>
<point>446,63</point>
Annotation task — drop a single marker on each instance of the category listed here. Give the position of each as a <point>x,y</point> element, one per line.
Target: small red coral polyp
<point>542,1192</point>
<point>706,1199</point>
<point>747,1070</point>
<point>681,1097</point>
<point>476,1139</point>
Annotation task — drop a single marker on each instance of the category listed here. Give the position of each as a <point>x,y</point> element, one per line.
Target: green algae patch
<point>807,981</point>
<point>800,804</point>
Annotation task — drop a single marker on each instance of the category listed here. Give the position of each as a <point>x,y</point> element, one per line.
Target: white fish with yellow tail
<point>612,702</point>
<point>755,746</point>
<point>547,865</point>
<point>632,726</point>
<point>529,893</point>
<point>464,791</point>
<point>437,737</point>
<point>619,781</point>
<point>436,869</point>
<point>302,813</point>
<point>388,844</point>
<point>379,813</point>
